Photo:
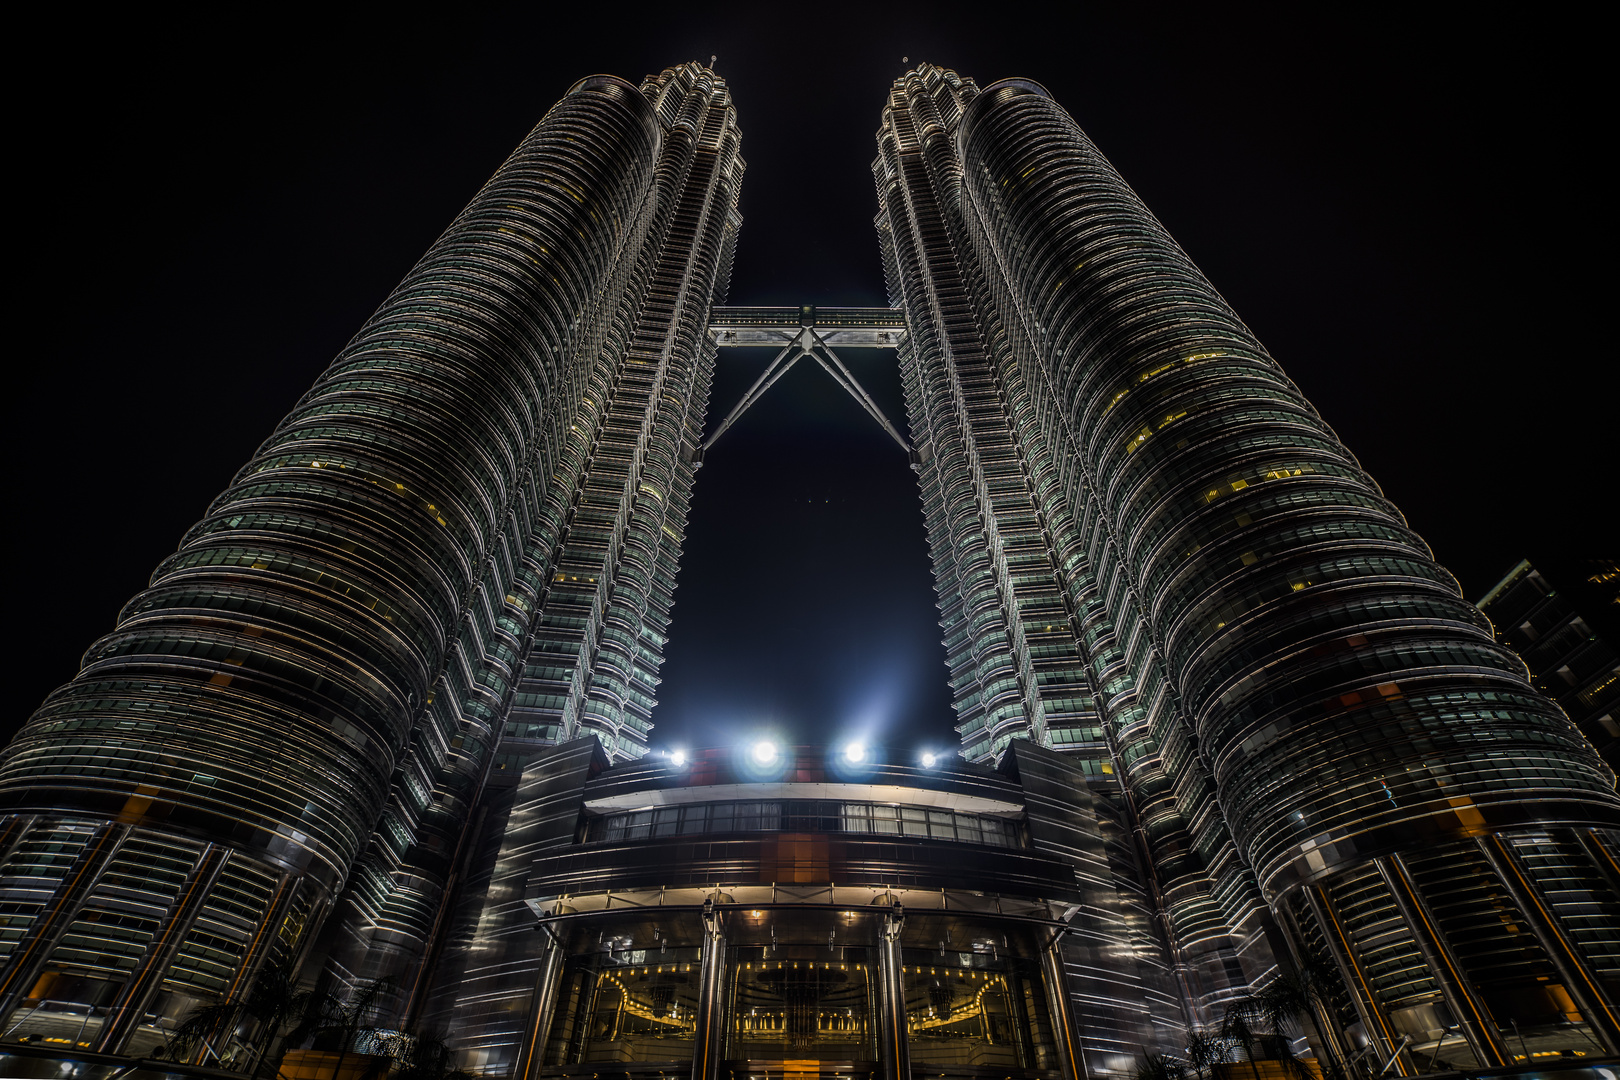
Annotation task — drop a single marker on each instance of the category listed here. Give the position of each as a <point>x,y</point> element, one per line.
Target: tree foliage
<point>276,1015</point>
<point>273,1007</point>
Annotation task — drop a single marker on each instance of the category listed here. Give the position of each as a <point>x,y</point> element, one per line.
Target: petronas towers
<point>300,750</point>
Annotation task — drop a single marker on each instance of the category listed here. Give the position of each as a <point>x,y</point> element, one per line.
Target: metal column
<point>260,946</point>
<point>130,1006</point>
<point>893,1048</point>
<point>1373,1020</point>
<point>14,833</point>
<point>1057,989</point>
<point>711,1018</point>
<point>1323,1034</point>
<point>844,378</point>
<point>264,936</point>
<point>30,955</point>
<point>767,378</point>
<point>1580,981</point>
<point>1467,1010</point>
<point>532,1053</point>
<point>1601,856</point>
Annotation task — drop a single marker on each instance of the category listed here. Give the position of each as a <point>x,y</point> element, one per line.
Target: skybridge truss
<point>801,332</point>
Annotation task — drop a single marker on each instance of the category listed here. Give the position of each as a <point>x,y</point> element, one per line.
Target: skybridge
<point>807,331</point>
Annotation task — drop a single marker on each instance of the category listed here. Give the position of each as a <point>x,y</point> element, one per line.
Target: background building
<point>390,699</point>
<point>1561,617</point>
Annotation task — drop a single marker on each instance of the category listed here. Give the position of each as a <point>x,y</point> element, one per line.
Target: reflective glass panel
<point>803,986</point>
<point>975,998</point>
<point>629,994</point>
<point>793,1002</point>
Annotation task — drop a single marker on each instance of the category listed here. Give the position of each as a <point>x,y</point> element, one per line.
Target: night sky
<point>204,213</point>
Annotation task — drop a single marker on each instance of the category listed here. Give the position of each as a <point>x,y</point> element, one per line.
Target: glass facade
<point>462,540</point>
<point>1341,691</point>
<point>808,815</point>
<point>587,641</point>
<point>1049,618</point>
<point>627,1000</point>
<point>802,993</point>
<point>974,1003</point>
<point>1316,739</point>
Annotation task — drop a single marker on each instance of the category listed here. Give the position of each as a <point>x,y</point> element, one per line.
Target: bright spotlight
<point>928,760</point>
<point>677,758</point>
<point>854,753</point>
<point>764,752</point>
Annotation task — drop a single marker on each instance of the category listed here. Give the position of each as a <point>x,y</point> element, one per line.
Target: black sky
<point>205,210</point>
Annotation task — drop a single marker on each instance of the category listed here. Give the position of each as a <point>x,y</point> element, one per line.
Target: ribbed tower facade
<point>1034,650</point>
<point>459,547</point>
<point>1152,551</point>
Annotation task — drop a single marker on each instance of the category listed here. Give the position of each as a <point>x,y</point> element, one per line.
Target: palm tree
<point>1237,1026</point>
<point>1294,1002</point>
<point>285,1016</point>
<point>1205,1051</point>
<point>348,1026</point>
<point>425,1057</point>
<point>1158,1067</point>
<point>272,1004</point>
<point>1284,1004</point>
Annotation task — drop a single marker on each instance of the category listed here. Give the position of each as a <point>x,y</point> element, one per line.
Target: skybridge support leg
<point>847,381</point>
<point>767,378</point>
<point>807,343</point>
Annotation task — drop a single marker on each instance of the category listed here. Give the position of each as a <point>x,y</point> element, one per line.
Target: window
<point>806,815</point>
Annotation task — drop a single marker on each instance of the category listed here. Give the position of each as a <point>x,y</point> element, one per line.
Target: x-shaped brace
<point>806,343</point>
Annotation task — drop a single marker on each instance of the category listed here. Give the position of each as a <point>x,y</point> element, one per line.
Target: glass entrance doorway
<point>802,996</point>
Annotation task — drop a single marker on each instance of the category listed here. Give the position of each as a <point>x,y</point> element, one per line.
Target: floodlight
<point>855,753</point>
<point>764,752</point>
<point>928,760</point>
<point>677,758</point>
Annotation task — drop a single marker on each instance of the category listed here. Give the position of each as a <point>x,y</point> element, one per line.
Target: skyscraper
<point>1223,715</point>
<point>1150,549</point>
<point>464,533</point>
